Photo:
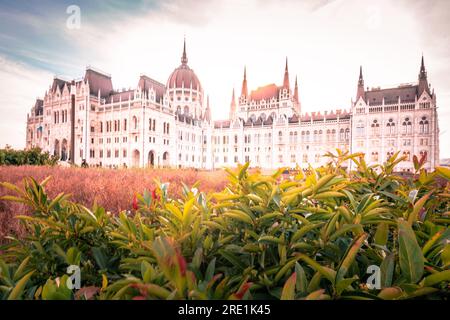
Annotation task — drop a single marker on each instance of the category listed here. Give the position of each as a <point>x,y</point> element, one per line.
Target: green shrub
<point>34,156</point>
<point>312,235</point>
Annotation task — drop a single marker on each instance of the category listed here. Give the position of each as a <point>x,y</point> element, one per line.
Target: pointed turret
<point>286,76</point>
<point>244,91</point>
<point>423,79</point>
<point>184,59</point>
<point>207,115</point>
<point>296,90</point>
<point>233,107</point>
<point>296,98</point>
<point>360,91</point>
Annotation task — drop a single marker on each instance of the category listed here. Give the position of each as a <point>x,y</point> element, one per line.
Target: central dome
<point>183,75</point>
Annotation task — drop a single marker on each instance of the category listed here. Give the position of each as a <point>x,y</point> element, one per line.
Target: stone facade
<point>170,125</point>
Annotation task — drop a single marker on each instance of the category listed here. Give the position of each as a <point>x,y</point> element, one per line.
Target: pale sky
<point>325,41</point>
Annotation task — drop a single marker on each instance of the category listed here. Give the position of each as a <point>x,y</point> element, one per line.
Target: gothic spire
<point>207,116</point>
<point>423,72</point>
<point>423,79</point>
<point>296,90</point>
<point>184,58</point>
<point>286,76</point>
<point>233,106</point>
<point>360,91</point>
<point>361,79</point>
<point>244,91</point>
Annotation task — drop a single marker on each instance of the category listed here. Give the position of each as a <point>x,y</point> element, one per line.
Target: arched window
<point>317,157</point>
<point>423,154</point>
<point>101,126</point>
<point>135,122</point>
<point>407,154</point>
<point>375,127</point>
<point>423,125</point>
<point>273,115</point>
<point>305,158</point>
<point>347,134</point>
<point>360,128</point>
<point>407,126</point>
<point>341,135</point>
<point>186,110</point>
<point>375,156</point>
<point>390,126</point>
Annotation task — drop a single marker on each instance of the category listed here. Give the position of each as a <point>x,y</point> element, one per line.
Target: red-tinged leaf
<point>418,207</point>
<point>87,292</point>
<point>416,163</point>
<point>181,262</point>
<point>242,290</point>
<point>135,203</point>
<point>288,292</point>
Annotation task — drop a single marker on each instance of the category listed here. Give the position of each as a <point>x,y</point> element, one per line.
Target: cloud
<point>21,85</point>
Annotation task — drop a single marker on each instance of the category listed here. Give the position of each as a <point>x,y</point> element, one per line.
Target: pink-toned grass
<point>111,188</point>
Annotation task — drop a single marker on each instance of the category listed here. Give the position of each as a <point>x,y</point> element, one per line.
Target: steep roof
<point>293,119</point>
<point>98,81</point>
<point>39,107</point>
<point>406,93</point>
<point>268,121</point>
<point>59,83</point>
<point>266,92</point>
<point>146,83</point>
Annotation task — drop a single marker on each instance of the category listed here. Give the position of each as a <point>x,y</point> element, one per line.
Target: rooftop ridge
<point>101,72</point>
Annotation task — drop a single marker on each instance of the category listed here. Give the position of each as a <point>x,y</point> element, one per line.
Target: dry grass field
<point>113,189</point>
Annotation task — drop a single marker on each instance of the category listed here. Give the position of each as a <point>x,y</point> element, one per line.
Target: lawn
<point>112,189</point>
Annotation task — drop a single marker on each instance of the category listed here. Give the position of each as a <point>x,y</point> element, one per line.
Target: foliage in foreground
<point>103,186</point>
<point>309,236</point>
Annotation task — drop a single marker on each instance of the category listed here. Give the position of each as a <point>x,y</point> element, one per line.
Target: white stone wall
<point>155,137</point>
<point>411,128</point>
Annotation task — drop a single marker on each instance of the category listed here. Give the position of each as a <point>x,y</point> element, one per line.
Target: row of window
<point>344,135</point>
<point>406,154</point>
<point>114,126</point>
<point>407,127</point>
<point>60,117</point>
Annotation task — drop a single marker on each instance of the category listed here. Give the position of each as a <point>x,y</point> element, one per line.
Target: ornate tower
<point>244,90</point>
<point>233,107</point>
<point>423,79</point>
<point>286,76</point>
<point>297,105</point>
<point>360,90</point>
